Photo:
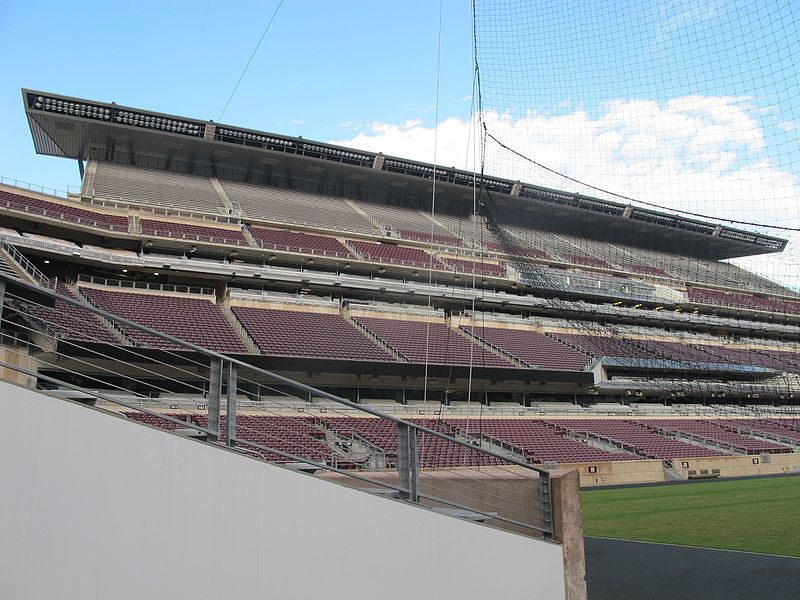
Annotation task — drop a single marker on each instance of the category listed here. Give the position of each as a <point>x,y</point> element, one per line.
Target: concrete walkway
<point>623,570</point>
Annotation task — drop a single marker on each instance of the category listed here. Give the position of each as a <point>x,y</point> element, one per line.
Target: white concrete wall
<point>95,507</point>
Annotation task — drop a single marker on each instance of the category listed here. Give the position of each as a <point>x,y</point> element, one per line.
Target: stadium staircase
<point>363,330</point>
<point>355,448</point>
<point>489,347</point>
<point>134,226</point>
<point>249,237</point>
<point>249,342</point>
<point>108,324</point>
<point>226,206</point>
<point>5,266</point>
<point>352,250</point>
<point>672,473</point>
<point>15,264</point>
<point>489,443</point>
<point>697,440</point>
<point>377,225</point>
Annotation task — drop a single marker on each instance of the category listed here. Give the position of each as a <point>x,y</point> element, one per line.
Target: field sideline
<point>755,515</point>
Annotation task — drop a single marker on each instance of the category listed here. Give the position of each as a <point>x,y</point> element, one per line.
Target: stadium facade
<point>326,266</point>
<point>302,304</point>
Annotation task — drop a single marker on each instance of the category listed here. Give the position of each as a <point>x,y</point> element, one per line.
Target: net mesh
<point>687,108</point>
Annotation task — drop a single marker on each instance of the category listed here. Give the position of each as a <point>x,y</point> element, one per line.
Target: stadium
<point>217,297</point>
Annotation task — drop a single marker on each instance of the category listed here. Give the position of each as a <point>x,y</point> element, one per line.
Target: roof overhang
<point>84,129</point>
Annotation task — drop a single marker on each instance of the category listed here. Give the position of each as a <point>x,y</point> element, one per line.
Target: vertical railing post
<point>407,462</point>
<point>413,456</point>
<point>231,405</point>
<point>547,504</point>
<point>214,393</point>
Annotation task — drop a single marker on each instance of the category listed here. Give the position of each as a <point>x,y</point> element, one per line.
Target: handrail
<point>269,374</point>
<point>34,187</point>
<point>217,361</point>
<point>22,261</point>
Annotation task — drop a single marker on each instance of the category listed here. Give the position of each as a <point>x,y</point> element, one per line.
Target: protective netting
<point>686,108</point>
<point>691,106</point>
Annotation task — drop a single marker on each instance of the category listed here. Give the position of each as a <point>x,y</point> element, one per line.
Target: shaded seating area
<point>440,239</point>
<point>186,231</point>
<point>394,254</point>
<point>477,267</point>
<point>296,207</point>
<point>189,318</point>
<point>72,322</point>
<point>114,181</point>
<point>298,241</point>
<point>433,342</point>
<point>741,300</point>
<point>644,270</point>
<point>531,347</point>
<point>307,334</point>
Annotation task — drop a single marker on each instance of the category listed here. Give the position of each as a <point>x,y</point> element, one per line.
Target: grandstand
<point>332,255</point>
<point>311,290</point>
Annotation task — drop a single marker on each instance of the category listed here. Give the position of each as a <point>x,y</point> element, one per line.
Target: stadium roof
<point>86,129</point>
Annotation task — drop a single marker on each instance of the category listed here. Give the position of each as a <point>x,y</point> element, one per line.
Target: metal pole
<point>403,463</point>
<point>2,298</point>
<point>231,404</point>
<point>214,392</point>
<point>413,475</point>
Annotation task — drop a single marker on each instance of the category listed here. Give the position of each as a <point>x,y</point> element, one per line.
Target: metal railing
<point>33,187</point>
<point>22,262</point>
<point>262,414</point>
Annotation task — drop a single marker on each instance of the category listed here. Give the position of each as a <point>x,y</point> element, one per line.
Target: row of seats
<point>63,212</point>
<point>72,322</point>
<point>540,441</point>
<point>186,231</point>
<point>309,333</point>
<point>533,348</point>
<point>536,244</point>
<point>638,436</point>
<point>606,345</point>
<point>195,320</point>
<point>431,342</point>
<point>742,300</point>
<point>719,433</point>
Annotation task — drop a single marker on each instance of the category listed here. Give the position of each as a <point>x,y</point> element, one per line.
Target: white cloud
<point>697,153</point>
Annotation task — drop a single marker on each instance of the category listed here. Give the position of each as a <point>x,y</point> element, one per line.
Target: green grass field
<point>757,515</point>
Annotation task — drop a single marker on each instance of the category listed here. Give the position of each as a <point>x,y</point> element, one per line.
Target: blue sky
<point>323,69</point>
<point>687,103</point>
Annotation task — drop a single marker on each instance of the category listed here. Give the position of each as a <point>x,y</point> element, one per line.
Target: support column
<point>231,405</point>
<point>214,393</point>
<point>408,462</point>
<point>568,530</point>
